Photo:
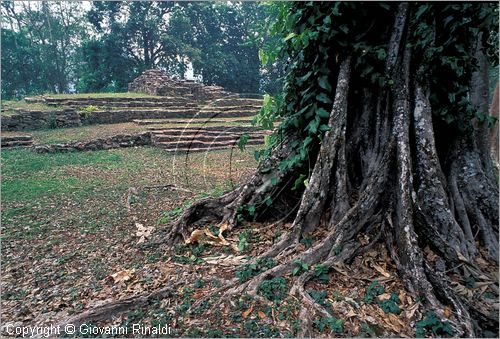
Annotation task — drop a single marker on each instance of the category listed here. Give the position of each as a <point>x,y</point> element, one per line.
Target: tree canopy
<point>62,46</point>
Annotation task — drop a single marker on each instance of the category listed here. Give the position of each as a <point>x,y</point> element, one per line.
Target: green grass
<point>83,190</point>
<point>29,176</point>
<point>85,133</point>
<point>22,162</point>
<point>66,222</point>
<point>10,105</point>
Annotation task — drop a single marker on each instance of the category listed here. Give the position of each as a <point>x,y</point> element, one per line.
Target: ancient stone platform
<point>16,141</point>
<point>195,139</point>
<point>157,82</point>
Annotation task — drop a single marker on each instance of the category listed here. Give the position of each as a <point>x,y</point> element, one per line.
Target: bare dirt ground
<point>84,229</point>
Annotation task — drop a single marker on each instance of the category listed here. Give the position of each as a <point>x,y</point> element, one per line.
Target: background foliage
<point>59,47</point>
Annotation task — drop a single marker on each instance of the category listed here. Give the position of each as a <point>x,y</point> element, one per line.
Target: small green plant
<point>251,210</point>
<point>470,282</point>
<point>274,289</point>
<point>199,283</point>
<point>182,256</point>
<point>51,121</point>
<point>307,242</point>
<point>366,331</point>
<point>250,270</point>
<point>320,298</point>
<point>390,305</point>
<point>213,229</point>
<point>169,215</point>
<point>321,274</point>
<point>88,110</point>
<point>180,248</point>
<point>372,291</point>
<point>335,325</point>
<point>243,241</point>
<point>246,272</point>
<point>243,141</point>
<point>300,267</point>
<point>198,250</point>
<point>432,325</point>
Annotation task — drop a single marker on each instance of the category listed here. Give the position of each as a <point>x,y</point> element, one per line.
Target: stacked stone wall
<point>31,120</point>
<point>117,141</point>
<point>157,82</point>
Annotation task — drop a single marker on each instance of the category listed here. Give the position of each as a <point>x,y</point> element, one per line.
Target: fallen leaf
<point>261,314</point>
<point>447,312</point>
<point>384,296</point>
<point>246,313</point>
<point>364,239</point>
<point>195,236</point>
<point>206,237</point>
<point>430,255</point>
<point>350,314</point>
<point>395,323</point>
<point>124,275</point>
<point>462,257</point>
<point>226,260</point>
<point>143,232</point>
<point>410,311</point>
<point>462,290</point>
<point>381,270</point>
<point>223,227</point>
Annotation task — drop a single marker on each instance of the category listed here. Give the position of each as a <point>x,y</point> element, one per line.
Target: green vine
<point>316,35</point>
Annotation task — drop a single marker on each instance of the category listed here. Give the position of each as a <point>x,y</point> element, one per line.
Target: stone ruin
<point>157,82</point>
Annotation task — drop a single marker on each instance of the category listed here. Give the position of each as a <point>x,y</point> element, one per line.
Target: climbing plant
<point>384,118</point>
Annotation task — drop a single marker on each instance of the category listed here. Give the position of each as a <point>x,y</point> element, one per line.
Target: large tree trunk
<point>380,171</point>
<point>494,131</point>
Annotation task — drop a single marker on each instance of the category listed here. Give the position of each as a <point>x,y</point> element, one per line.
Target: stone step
<point>212,108</point>
<point>109,99</point>
<point>204,129</point>
<point>189,121</point>
<point>11,144</point>
<point>184,150</point>
<point>235,102</point>
<point>135,104</point>
<point>212,133</point>
<point>17,138</point>
<point>103,116</point>
<point>204,145</point>
<point>205,137</point>
<point>16,141</point>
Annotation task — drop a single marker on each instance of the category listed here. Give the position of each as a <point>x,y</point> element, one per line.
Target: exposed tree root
<point>378,171</point>
<point>109,310</point>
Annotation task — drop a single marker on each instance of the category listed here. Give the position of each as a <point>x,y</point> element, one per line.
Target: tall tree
<point>39,41</point>
<point>224,35</point>
<point>383,110</point>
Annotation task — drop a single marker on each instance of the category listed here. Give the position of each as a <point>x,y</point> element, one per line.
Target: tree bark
<point>378,171</point>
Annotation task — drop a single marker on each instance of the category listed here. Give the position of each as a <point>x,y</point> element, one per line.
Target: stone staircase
<point>115,102</point>
<point>193,139</point>
<point>16,141</point>
<point>116,109</point>
<point>191,121</point>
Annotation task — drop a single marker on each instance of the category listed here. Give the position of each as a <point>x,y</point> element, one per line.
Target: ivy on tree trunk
<point>383,134</point>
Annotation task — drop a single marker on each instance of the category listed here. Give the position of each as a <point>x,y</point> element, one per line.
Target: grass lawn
<point>70,236</point>
<point>68,221</point>
<point>8,106</point>
<point>86,133</point>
